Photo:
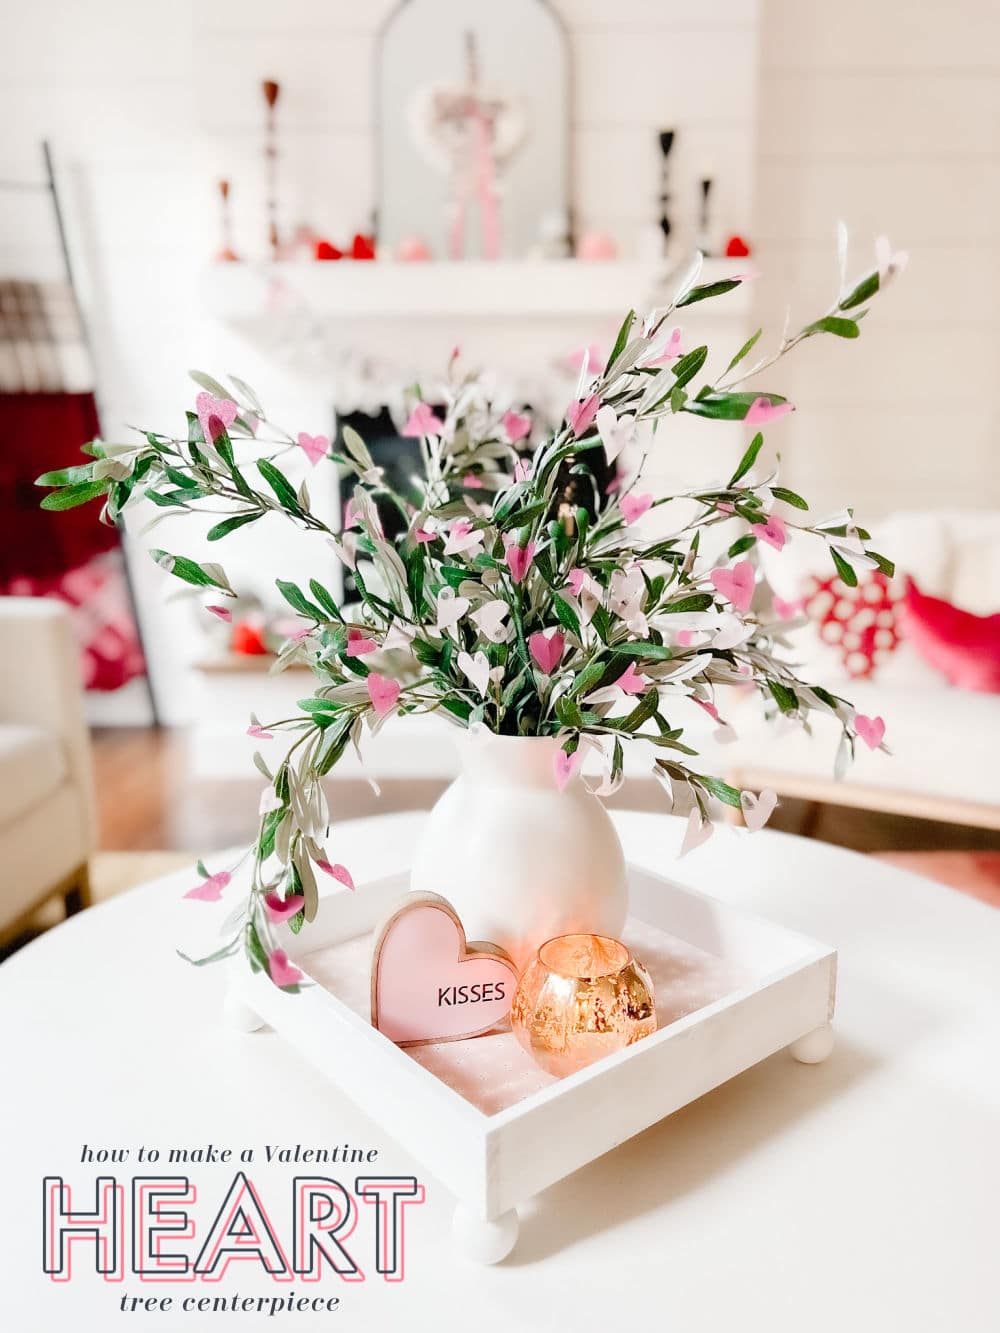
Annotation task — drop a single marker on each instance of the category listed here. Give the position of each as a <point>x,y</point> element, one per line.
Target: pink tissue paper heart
<point>575,580</point>
<point>282,972</point>
<point>634,506</point>
<point>314,447</point>
<point>358,644</point>
<point>423,421</point>
<point>517,427</point>
<point>762,410</point>
<point>773,532</point>
<point>337,872</point>
<point>735,584</point>
<point>210,890</point>
<point>382,692</point>
<point>564,766</point>
<point>671,351</point>
<point>870,729</point>
<point>581,414</point>
<point>631,682</point>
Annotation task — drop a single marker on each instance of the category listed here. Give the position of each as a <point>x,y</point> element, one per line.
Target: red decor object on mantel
<point>964,647</point>
<point>363,247</point>
<point>737,248</point>
<point>861,622</point>
<point>248,639</point>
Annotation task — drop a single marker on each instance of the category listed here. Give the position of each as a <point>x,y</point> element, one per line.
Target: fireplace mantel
<point>551,289</point>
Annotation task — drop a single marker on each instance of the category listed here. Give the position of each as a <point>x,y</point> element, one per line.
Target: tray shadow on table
<point>682,1152</point>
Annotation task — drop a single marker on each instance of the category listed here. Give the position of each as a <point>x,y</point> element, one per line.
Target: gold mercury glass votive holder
<point>581,998</point>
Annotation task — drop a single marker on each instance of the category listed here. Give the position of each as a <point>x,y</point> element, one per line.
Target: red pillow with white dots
<point>861,624</point>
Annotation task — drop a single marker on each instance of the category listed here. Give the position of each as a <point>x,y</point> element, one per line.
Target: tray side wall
<point>575,1125</point>
<point>422,1115</point>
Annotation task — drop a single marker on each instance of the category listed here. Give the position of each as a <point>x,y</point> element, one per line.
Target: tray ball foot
<point>481,1241</point>
<point>239,1016</point>
<point>814,1047</point>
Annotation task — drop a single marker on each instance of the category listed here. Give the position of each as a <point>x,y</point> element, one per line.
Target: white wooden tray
<point>731,989</point>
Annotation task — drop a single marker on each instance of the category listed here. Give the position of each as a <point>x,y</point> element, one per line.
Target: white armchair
<point>47,813</point>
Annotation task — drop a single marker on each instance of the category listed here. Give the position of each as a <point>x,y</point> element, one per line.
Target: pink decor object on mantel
<point>595,246</point>
<point>429,983</point>
<point>413,250</point>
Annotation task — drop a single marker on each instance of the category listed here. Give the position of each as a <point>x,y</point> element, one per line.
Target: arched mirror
<point>473,130</point>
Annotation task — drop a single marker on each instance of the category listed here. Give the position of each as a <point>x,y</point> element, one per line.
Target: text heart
<point>429,984</point>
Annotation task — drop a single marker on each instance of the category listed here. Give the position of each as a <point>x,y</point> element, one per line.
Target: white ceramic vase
<point>520,860</point>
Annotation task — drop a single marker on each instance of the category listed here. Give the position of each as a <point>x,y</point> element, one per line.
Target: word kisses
<point>477,993</point>
<point>323,1218</point>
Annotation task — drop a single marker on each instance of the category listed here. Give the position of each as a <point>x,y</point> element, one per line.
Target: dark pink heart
<point>280,909</point>
<point>519,559</point>
<point>215,414</point>
<point>547,649</point>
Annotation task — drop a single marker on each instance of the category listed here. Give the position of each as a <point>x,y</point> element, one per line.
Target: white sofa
<point>944,740</point>
<point>47,813</point>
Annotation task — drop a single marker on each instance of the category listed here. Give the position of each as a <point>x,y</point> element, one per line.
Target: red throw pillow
<point>963,647</point>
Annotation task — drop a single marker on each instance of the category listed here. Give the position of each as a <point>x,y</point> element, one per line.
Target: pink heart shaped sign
<point>428,983</point>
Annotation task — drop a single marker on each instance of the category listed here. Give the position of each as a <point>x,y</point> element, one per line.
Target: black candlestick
<point>666,143</point>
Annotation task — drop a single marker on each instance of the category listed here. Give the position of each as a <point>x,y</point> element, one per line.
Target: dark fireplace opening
<point>400,458</point>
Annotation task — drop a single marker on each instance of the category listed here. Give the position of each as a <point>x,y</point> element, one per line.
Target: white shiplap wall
<point>148,104</point>
<point>888,116</point>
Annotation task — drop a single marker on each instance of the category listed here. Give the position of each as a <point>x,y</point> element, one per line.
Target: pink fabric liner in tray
<point>493,1072</point>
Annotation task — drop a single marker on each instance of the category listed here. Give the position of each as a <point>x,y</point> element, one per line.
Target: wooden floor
<point>149,801</point>
<point>155,817</point>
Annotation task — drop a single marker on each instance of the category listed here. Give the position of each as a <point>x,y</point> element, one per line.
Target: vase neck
<point>518,761</point>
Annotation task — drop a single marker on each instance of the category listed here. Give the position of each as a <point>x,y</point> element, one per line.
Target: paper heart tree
<point>500,603</point>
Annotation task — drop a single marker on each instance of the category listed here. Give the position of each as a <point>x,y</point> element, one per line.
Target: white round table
<point>860,1193</point>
